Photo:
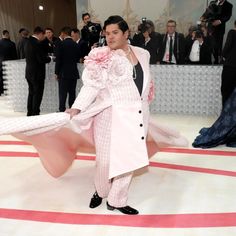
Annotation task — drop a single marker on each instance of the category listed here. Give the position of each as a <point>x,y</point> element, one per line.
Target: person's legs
<point>30,98</point>
<point>102,134</point>
<point>37,96</point>
<point>71,91</point>
<point>63,88</point>
<point>118,194</point>
<point>217,46</point>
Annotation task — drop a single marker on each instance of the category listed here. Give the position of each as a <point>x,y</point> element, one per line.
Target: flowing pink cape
<point>57,138</point>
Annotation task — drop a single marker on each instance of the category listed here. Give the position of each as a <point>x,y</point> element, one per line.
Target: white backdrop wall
<point>186,13</point>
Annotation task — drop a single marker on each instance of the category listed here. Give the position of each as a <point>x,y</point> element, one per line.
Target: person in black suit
<point>198,49</point>
<point>91,31</point>
<point>148,39</point>
<point>216,15</point>
<point>49,43</point>
<point>24,34</point>
<point>228,76</point>
<point>67,57</point>
<point>172,46</point>
<point>7,52</point>
<point>36,58</point>
<point>82,45</point>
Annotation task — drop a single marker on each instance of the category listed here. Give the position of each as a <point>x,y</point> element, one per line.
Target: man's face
<point>49,34</point>
<point>75,36</point>
<point>41,36</point>
<point>7,36</point>
<point>171,26</point>
<point>86,19</point>
<point>115,37</point>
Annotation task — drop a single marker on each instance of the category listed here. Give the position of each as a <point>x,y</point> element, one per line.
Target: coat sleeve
<point>89,91</point>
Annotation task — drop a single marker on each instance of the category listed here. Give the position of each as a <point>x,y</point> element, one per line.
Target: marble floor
<point>184,191</point>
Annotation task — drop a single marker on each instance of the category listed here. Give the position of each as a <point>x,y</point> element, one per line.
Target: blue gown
<point>223,131</point>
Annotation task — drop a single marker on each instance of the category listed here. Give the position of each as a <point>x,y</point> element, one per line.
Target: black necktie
<point>171,49</point>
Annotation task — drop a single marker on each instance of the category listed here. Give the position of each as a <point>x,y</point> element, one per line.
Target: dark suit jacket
<point>36,58</point>
<point>152,46</point>
<point>229,50</point>
<point>49,46</point>
<point>83,48</point>
<point>179,48</point>
<point>7,50</point>
<point>67,57</point>
<point>21,48</point>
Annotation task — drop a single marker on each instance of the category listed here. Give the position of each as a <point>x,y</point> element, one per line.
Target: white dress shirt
<point>166,55</point>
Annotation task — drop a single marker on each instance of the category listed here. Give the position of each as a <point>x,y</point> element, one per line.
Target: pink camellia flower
<point>98,57</point>
<point>151,94</point>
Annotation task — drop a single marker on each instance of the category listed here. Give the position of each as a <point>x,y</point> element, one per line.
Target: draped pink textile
<point>108,84</point>
<point>57,147</point>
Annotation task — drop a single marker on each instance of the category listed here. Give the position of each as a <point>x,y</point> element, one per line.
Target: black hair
<point>38,30</point>
<point>144,28</point>
<point>4,32</point>
<point>85,14</point>
<point>48,28</point>
<point>21,30</point>
<point>123,26</point>
<point>75,30</point>
<point>198,34</point>
<point>66,30</point>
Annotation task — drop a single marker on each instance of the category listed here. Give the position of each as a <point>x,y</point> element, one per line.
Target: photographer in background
<point>147,38</point>
<point>91,31</point>
<point>198,49</point>
<point>216,16</point>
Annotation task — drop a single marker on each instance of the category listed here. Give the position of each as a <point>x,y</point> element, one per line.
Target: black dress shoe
<point>95,200</point>
<point>125,210</point>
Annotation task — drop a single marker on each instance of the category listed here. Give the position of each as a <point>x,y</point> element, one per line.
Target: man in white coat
<point>110,114</point>
<point>118,73</point>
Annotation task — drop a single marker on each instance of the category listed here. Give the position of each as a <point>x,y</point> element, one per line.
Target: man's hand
<point>72,112</point>
<point>216,22</point>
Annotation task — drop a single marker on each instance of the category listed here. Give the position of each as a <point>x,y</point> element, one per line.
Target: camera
<point>91,27</point>
<point>91,32</point>
<point>212,13</point>
<point>144,19</point>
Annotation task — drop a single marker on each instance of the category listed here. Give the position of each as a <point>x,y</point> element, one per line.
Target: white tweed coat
<point>111,79</point>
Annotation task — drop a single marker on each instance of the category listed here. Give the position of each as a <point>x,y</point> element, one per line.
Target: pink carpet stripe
<point>171,150</point>
<point>15,142</point>
<point>193,169</point>
<point>18,154</point>
<point>154,221</point>
<point>199,151</point>
<point>152,164</point>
